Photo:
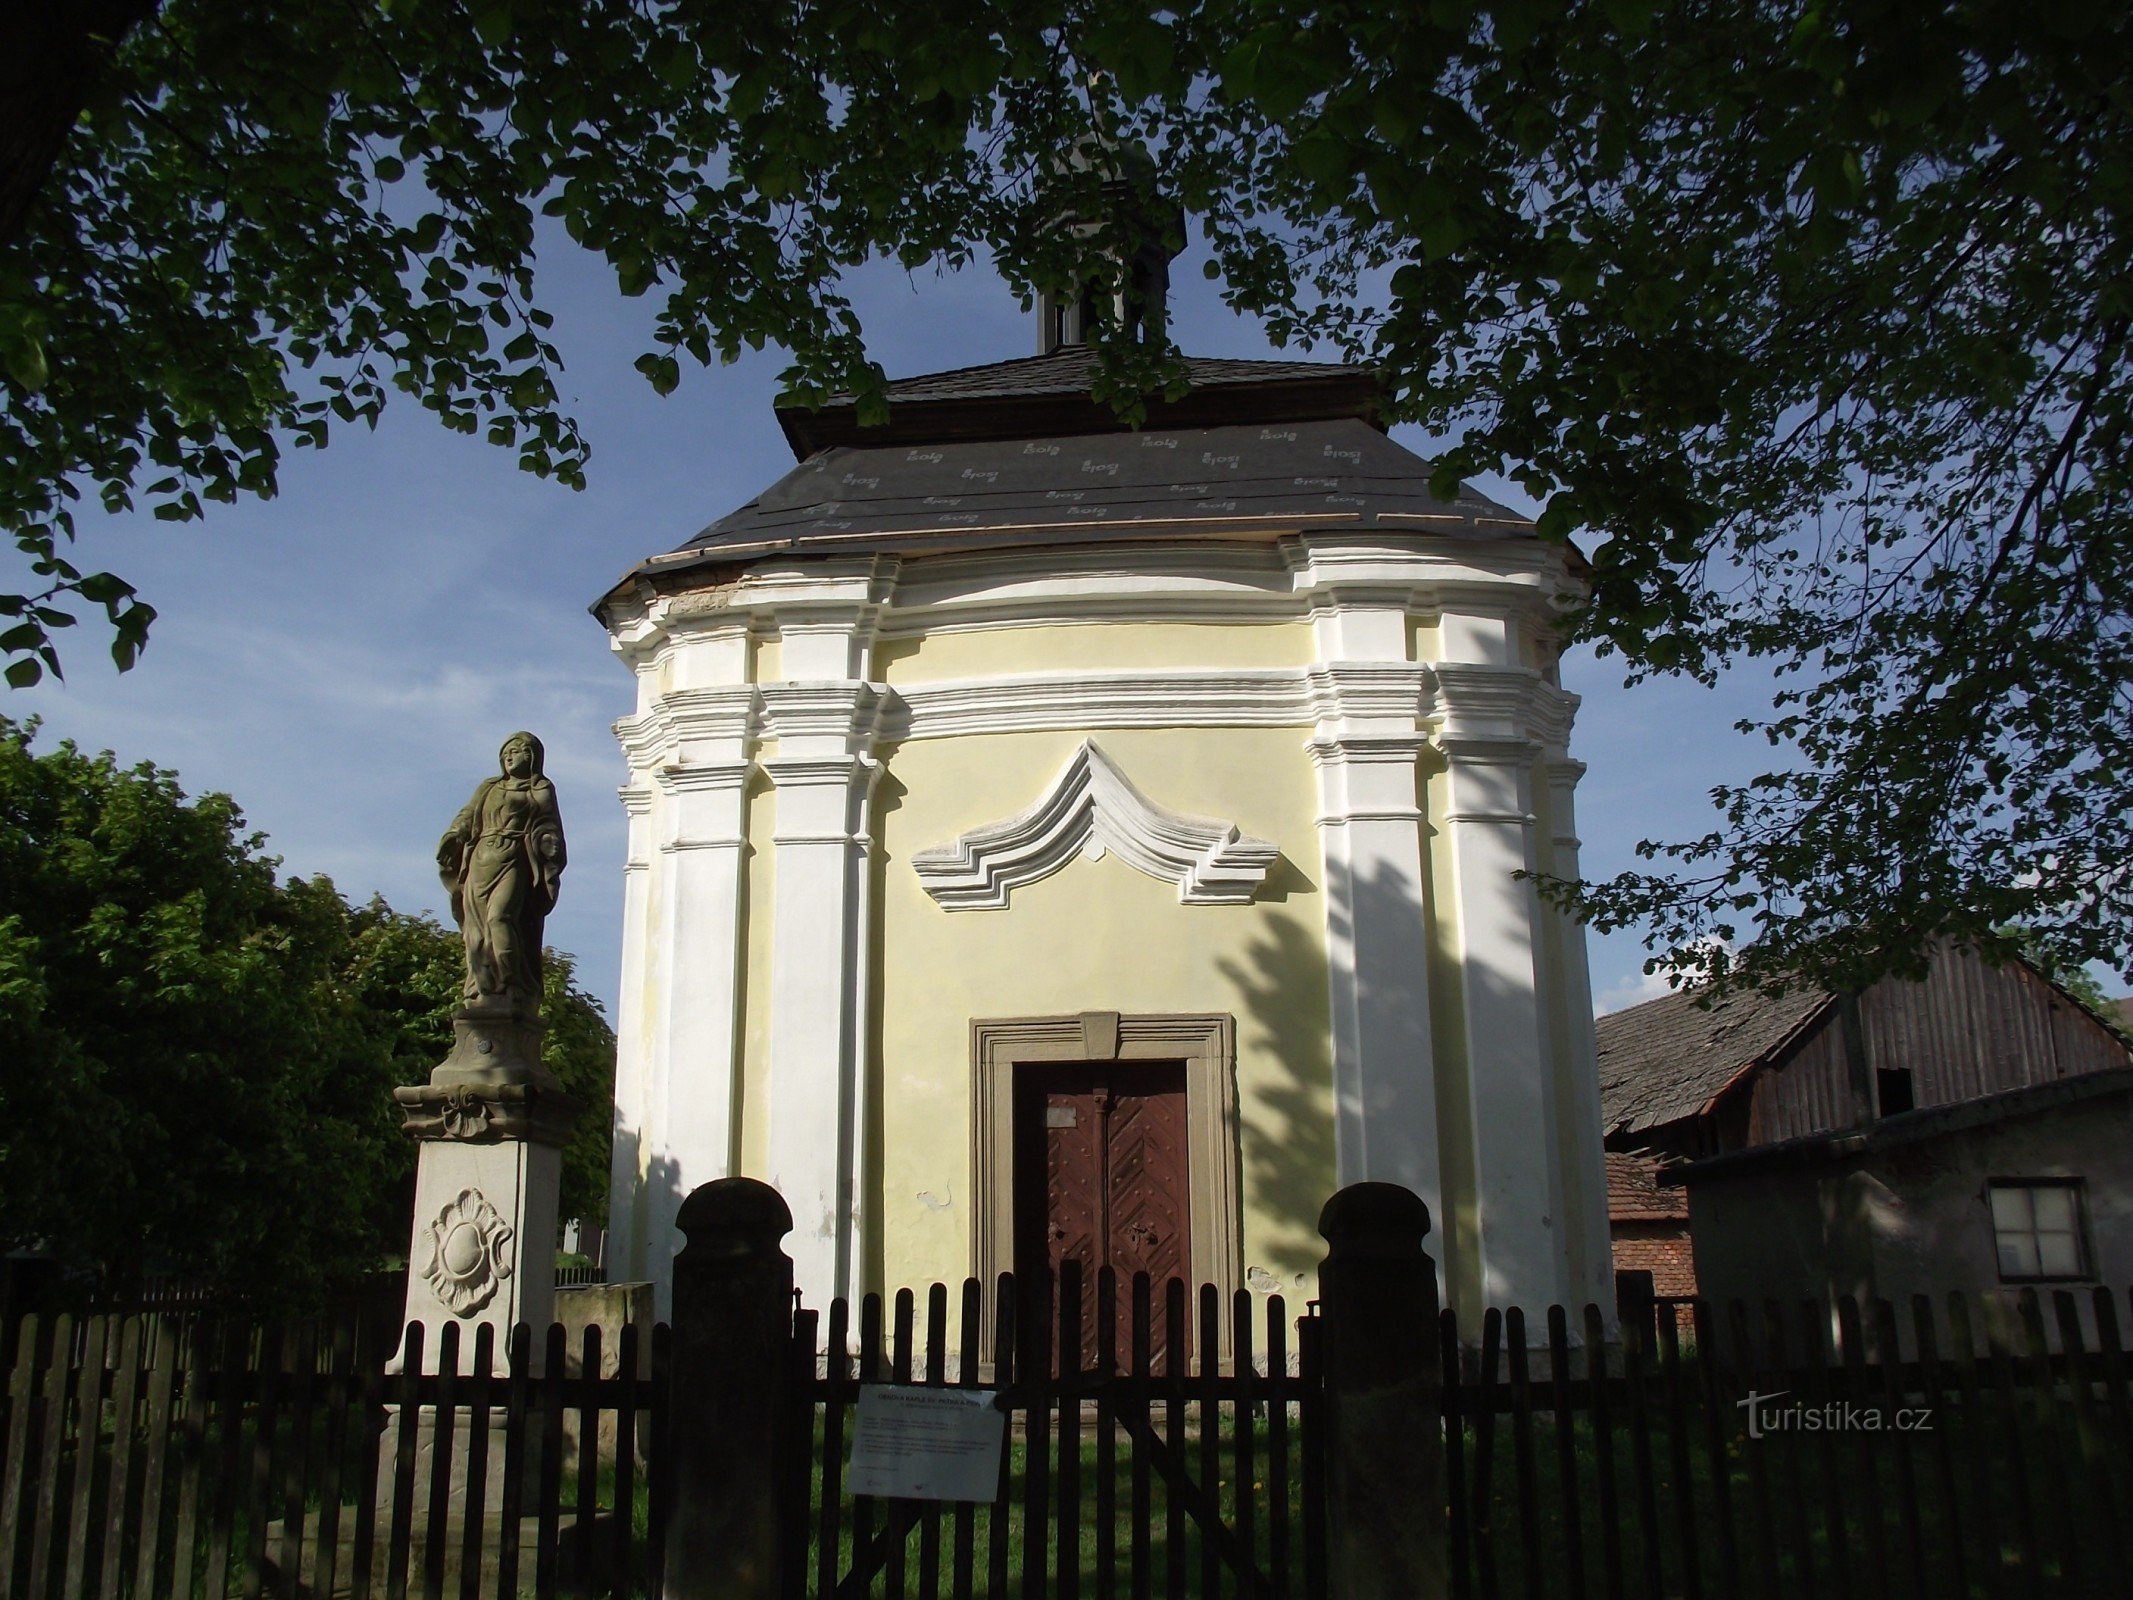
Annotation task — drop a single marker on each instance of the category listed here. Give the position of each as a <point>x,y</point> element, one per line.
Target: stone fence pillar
<point>1385,1501</point>
<point>732,1340</point>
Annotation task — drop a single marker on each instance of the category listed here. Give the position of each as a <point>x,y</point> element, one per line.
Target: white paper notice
<point>926,1444</point>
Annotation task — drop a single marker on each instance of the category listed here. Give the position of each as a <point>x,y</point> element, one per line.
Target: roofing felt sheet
<point>1071,369</point>
<point>1051,395</point>
<point>1097,487</point>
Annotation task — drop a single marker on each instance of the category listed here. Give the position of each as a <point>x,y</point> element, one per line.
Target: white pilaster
<point>1365,744</point>
<point>1377,943</point>
<point>819,955</point>
<point>1489,754</point>
<point>688,750</point>
<point>696,1052</point>
<point>633,1040</point>
<point>1589,1247</point>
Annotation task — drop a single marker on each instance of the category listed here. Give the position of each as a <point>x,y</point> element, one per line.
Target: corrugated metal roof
<point>1239,481</point>
<point>1665,1059</point>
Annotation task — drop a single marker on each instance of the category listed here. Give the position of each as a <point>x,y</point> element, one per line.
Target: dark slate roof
<point>1048,397</point>
<point>1666,1059</point>
<point>1230,482</point>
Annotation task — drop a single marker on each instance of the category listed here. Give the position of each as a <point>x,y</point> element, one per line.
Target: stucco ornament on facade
<point>466,1252</point>
<point>1092,808</point>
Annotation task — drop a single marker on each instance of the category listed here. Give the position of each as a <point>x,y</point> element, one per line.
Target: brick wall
<point>1649,1224</point>
<point>1660,1248</point>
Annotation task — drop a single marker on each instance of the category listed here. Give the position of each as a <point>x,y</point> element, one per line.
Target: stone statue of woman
<point>502,861</point>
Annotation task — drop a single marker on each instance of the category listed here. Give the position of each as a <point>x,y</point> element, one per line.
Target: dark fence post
<point>732,1337</point>
<point>1385,1491</point>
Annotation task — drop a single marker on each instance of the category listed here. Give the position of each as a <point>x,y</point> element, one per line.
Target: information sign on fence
<point>926,1444</point>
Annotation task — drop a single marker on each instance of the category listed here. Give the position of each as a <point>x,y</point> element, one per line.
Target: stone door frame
<point>1205,1041</point>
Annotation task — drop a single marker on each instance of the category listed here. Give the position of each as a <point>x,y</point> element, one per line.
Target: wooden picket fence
<point>1574,1466</point>
<point>1164,1465</point>
<point>1186,1456</point>
<point>152,1456</point>
<point>1578,1468</point>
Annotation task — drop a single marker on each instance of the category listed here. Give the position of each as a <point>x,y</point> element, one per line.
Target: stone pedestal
<point>459,1467</point>
<point>490,1126</point>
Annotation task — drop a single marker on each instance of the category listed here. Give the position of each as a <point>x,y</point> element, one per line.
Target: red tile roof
<point>1634,1195</point>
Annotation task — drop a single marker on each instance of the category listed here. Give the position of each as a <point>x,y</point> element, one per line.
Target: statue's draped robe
<point>510,871</point>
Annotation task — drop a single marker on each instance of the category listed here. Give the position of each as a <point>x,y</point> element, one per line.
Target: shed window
<point>2036,1225</point>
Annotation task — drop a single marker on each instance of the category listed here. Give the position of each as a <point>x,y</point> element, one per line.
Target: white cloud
<point>1633,990</point>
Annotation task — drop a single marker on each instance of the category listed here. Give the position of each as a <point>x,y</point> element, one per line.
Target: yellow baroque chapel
<point>1051,840</point>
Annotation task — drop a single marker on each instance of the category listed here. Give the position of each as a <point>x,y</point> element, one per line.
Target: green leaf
<point>663,370</point>
<point>103,588</point>
<point>1440,234</point>
<point>492,20</point>
<point>22,355</point>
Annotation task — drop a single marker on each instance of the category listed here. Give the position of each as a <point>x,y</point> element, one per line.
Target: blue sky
<point>345,659</point>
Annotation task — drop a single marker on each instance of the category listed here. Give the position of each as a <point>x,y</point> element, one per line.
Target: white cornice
<point>1488,751</point>
<point>722,717</point>
<point>1246,698</point>
<point>1476,701</point>
<point>1554,713</point>
<point>1178,579</point>
<point>1563,772</point>
<point>1465,698</point>
<point>1397,689</point>
<point>711,777</point>
<point>844,709</point>
<point>1091,807</point>
<point>817,772</point>
<point>642,738</point>
<point>1394,749</point>
<point>717,708</point>
<point>829,583</point>
<point>1264,697</point>
<point>1025,585</point>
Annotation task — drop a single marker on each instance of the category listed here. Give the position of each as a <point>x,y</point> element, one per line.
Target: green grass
<point>1005,1529</point>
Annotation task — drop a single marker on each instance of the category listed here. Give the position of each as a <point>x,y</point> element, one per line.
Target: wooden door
<point>1100,1166</point>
